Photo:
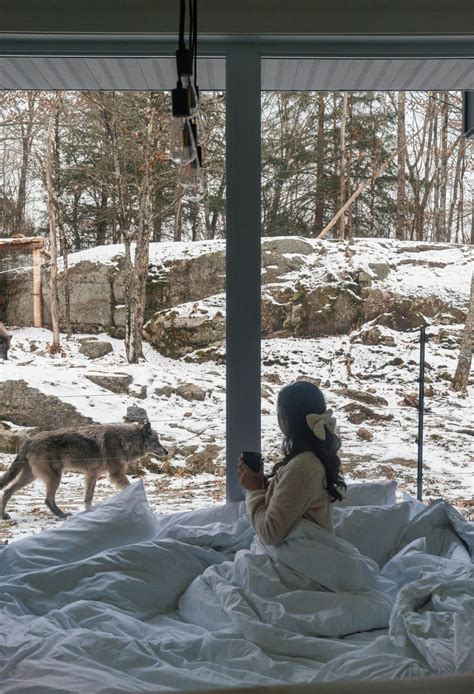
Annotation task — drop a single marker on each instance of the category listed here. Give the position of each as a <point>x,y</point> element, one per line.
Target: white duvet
<point>121,600</point>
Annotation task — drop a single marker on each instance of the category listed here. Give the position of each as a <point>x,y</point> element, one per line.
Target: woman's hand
<point>250,480</point>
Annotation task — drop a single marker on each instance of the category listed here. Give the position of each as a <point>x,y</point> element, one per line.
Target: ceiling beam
<point>243,17</point>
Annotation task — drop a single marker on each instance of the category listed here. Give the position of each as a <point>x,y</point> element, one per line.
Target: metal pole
<point>421,405</point>
<point>243,264</point>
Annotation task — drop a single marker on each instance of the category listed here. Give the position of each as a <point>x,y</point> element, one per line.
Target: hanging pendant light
<point>183,147</point>
<point>187,129</point>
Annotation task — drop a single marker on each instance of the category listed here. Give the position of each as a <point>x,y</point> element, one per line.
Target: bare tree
<point>461,376</point>
<point>27,135</point>
<point>342,174</point>
<point>319,201</point>
<point>59,212</point>
<point>137,271</point>
<point>401,161</point>
<point>55,347</point>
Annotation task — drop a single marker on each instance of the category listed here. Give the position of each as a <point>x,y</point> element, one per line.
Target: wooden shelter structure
<point>23,245</point>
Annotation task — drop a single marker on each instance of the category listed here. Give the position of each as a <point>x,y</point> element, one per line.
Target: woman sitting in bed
<point>308,479</point>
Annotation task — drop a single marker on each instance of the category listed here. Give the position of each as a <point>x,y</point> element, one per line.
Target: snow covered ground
<point>189,428</point>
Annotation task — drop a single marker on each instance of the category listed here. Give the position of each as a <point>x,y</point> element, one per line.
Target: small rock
<point>116,383</point>
<point>359,413</point>
<point>380,270</point>
<point>362,396</point>
<point>364,279</point>
<point>94,349</point>
<point>445,376</point>
<point>136,414</point>
<point>374,336</point>
<point>273,378</point>
<point>138,392</point>
<point>187,391</point>
<point>396,361</point>
<point>466,430</point>
<point>410,400</point>
<point>365,434</point>
<point>429,391</point>
<point>205,460</point>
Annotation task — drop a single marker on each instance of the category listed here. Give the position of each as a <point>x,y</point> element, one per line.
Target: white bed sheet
<point>119,600</point>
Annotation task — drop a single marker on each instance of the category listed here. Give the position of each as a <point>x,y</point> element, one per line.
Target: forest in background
<point>398,155</point>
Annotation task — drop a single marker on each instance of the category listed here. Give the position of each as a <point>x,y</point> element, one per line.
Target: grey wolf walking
<point>92,450</point>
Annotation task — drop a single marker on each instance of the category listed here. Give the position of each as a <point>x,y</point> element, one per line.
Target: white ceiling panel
<point>293,74</point>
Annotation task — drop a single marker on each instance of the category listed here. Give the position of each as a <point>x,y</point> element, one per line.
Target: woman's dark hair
<point>295,402</point>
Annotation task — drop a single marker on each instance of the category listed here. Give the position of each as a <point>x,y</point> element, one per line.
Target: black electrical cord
<point>182,19</point>
<point>195,34</point>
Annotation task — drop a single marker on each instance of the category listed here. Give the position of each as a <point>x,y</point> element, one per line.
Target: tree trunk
<point>178,220</point>
<point>59,215</point>
<point>26,143</point>
<point>319,197</point>
<point>342,175</point>
<point>400,232</point>
<point>139,272</point>
<point>55,347</point>
<point>101,216</point>
<point>443,169</point>
<point>461,377</point>
<point>157,213</point>
<point>454,195</point>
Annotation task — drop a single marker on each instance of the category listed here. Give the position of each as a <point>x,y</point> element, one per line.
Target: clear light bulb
<point>200,128</point>
<point>191,180</point>
<point>183,149</point>
<point>190,175</point>
<point>195,194</point>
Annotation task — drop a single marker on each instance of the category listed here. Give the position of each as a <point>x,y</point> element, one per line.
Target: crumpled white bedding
<point>118,599</point>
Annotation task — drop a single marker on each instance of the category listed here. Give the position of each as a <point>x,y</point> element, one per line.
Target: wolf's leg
<point>90,488</point>
<point>118,477</point>
<point>52,484</point>
<point>25,477</point>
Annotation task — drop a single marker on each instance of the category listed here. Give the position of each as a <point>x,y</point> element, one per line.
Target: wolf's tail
<point>14,469</point>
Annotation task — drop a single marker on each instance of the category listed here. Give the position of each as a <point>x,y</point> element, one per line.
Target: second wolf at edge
<point>92,450</point>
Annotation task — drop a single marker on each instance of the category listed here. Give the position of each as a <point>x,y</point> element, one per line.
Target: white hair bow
<point>318,423</point>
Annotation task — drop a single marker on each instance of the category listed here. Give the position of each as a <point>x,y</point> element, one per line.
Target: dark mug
<point>252,459</point>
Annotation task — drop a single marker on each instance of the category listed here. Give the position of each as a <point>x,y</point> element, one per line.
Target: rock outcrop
<point>311,288</point>
<point>28,407</point>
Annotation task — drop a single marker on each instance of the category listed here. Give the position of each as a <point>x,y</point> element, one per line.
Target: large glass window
<point>93,168</point>
<point>366,215</point>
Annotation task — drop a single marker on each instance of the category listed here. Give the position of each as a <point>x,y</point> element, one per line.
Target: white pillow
<point>369,494</point>
<point>122,520</point>
<point>374,530</point>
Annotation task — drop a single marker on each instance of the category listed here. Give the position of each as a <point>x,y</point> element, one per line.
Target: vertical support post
<point>468,114</point>
<point>37,314</point>
<point>421,407</point>
<point>243,262</point>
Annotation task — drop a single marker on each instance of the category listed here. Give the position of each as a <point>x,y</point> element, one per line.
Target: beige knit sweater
<point>296,491</point>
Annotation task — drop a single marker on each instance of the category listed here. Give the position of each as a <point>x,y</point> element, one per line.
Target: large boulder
<point>95,349</point>
<point>29,407</point>
<point>176,333</point>
<point>407,312</point>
